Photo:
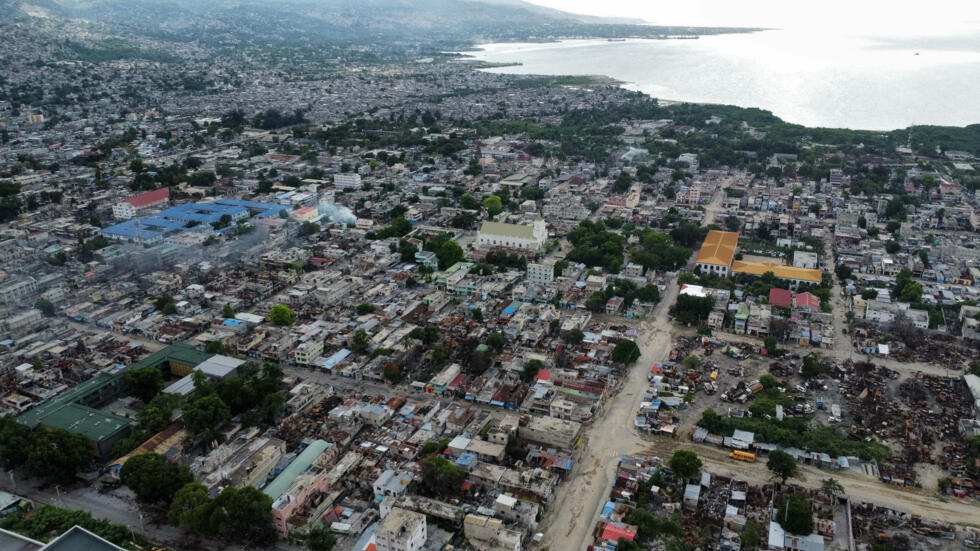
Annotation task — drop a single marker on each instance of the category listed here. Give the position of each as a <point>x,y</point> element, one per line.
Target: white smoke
<point>336,213</point>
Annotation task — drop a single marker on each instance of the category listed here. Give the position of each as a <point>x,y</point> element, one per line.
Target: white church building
<point>513,236</point>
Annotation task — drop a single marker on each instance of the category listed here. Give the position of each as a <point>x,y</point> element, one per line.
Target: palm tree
<point>832,489</point>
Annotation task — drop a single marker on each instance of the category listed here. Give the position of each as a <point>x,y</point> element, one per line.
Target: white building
<point>308,351</point>
<point>691,159</point>
<point>19,291</point>
<point>401,530</point>
<point>541,273</point>
<point>805,259</point>
<point>513,236</point>
<point>347,180</point>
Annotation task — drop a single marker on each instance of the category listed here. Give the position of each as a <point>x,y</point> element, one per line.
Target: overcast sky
<point>886,17</point>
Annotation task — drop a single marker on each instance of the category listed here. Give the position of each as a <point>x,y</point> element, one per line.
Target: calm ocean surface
<point>810,79</point>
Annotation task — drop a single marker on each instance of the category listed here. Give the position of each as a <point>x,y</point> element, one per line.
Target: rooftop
<point>783,272</point>
<point>150,198</point>
<point>718,248</point>
<point>281,483</point>
<point>518,231</point>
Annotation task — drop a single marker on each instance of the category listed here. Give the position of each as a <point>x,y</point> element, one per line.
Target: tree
<point>227,311</point>
<point>493,205</point>
<point>691,309</point>
<point>468,202</point>
<point>441,477</point>
<point>732,223</point>
<point>596,302</point>
<point>153,478</point>
<point>832,488</point>
<point>813,366</point>
<point>364,308</point>
<point>449,253</point>
<point>912,292</point>
<point>869,294</point>
<point>14,441</point>
<point>768,382</point>
<point>308,228</point>
<point>360,341</point>
<point>575,336</point>
<point>796,515</point>
<point>144,383</point>
<point>531,368</point>
<point>770,344</point>
<point>685,464</point>
<point>222,222</point>
<point>691,362</point>
<point>750,536</point>
<point>45,306</point>
<point>782,465</point>
<point>626,352</point>
<point>477,314</point>
<point>496,341</point>
<point>649,294</point>
<point>281,315</point>
<point>190,507</point>
<point>243,514</point>
<point>57,454</point>
<point>892,246</point>
<point>320,539</point>
<point>204,415</point>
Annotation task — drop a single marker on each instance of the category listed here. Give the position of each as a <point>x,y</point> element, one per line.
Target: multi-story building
<point>717,253</point>
<point>19,291</point>
<point>308,351</point>
<point>541,273</point>
<point>401,530</point>
<point>129,208</point>
<point>347,180</point>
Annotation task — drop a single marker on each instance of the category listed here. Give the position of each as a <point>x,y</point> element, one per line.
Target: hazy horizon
<point>866,17</point>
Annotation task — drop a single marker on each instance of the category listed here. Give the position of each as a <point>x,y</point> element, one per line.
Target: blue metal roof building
<point>155,228</point>
<point>150,229</point>
<point>257,209</point>
<point>203,213</point>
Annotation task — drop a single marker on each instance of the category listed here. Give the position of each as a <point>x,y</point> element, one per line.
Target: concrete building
<point>717,253</point>
<point>347,180</point>
<point>804,259</point>
<point>128,208</point>
<point>541,273</point>
<point>19,291</point>
<point>401,530</point>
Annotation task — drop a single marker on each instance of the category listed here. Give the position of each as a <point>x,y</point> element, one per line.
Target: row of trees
<point>627,290</point>
<point>55,455</point>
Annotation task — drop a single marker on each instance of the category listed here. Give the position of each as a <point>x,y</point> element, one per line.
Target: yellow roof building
<point>718,248</point>
<point>783,272</point>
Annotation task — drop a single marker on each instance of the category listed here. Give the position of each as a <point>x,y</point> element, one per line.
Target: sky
<point>866,17</point>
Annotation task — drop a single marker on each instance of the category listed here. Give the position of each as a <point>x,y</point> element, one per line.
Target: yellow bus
<point>742,456</point>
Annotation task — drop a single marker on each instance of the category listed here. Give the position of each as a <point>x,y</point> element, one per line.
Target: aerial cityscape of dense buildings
<point>404,304</point>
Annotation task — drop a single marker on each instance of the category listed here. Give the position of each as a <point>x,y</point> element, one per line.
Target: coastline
<point>811,109</point>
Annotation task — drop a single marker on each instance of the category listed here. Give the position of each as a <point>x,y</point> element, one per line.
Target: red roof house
<point>780,297</point>
<point>807,301</point>
<point>150,198</point>
<point>614,531</point>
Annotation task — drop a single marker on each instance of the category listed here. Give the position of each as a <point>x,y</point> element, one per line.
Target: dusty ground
<point>578,503</point>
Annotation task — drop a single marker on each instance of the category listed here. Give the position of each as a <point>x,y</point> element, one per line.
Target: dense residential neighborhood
<point>404,304</point>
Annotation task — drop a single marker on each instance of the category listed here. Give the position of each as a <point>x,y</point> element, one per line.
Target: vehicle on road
<point>742,456</point>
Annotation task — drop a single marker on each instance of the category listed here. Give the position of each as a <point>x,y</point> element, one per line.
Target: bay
<point>804,77</point>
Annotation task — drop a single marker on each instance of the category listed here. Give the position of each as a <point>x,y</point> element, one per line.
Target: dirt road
<point>579,499</point>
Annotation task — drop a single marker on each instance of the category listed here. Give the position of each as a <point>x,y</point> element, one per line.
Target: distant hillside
<point>368,22</point>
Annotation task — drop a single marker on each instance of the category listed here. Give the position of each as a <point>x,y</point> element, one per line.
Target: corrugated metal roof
<point>281,483</point>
